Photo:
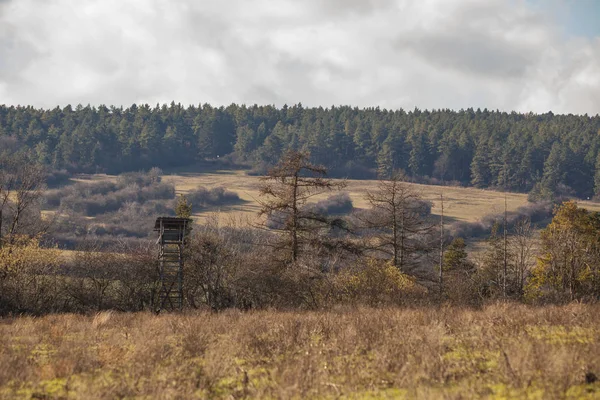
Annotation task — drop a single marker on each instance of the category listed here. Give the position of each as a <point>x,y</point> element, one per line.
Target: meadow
<point>460,203</point>
<point>499,351</point>
<point>466,205</point>
<point>415,349</point>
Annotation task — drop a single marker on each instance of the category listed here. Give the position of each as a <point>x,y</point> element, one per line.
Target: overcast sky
<point>524,55</point>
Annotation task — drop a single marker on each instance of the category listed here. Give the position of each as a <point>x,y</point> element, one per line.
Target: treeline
<point>547,154</point>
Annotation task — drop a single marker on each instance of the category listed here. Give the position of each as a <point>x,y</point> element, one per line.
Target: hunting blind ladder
<point>171,240</point>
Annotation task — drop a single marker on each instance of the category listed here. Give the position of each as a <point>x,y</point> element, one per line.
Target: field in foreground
<point>502,351</point>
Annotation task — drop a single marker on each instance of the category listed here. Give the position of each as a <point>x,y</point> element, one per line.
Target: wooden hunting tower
<point>171,240</point>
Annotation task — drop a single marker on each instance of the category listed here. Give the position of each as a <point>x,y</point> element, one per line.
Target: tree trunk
<point>295,220</point>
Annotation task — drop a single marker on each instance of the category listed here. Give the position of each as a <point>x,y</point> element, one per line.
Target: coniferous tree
<point>285,191</point>
<point>418,161</point>
<point>456,257</point>
<point>480,168</point>
<point>597,178</point>
<point>553,175</point>
<point>555,153</point>
<point>183,208</point>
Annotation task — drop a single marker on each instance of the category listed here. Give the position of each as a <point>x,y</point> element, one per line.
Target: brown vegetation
<point>501,351</point>
<point>306,283</point>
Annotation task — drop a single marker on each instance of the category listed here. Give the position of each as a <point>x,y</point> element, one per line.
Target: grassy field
<point>465,204</point>
<point>460,204</point>
<point>498,352</point>
<point>502,351</point>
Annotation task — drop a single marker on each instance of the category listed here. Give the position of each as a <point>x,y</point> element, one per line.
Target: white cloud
<point>426,53</point>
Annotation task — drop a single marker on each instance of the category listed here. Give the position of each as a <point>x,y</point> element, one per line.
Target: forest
<point>546,155</point>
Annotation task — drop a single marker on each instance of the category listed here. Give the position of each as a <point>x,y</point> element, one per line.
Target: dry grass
<point>502,351</point>
<point>460,204</point>
<point>464,204</point>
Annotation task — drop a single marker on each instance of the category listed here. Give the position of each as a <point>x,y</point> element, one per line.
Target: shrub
<point>122,277</point>
<point>92,199</point>
<point>57,178</point>
<point>140,178</point>
<point>260,169</point>
<point>202,197</point>
<point>353,170</point>
<point>339,203</point>
<point>28,280</point>
<point>375,283</point>
<point>536,212</point>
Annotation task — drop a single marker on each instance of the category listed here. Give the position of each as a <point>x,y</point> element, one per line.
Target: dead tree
<point>523,246</point>
<point>397,222</point>
<point>22,185</point>
<point>441,260</point>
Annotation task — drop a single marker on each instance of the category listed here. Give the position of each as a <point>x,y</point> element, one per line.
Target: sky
<point>522,55</point>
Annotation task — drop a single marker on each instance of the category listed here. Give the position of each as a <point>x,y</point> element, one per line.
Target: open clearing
<point>501,351</point>
<point>460,204</point>
<point>464,204</point>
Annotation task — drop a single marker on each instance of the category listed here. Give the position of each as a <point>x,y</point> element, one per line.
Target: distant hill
<point>546,154</point>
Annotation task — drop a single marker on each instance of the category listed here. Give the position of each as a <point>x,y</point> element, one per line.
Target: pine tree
<point>419,155</point>
<point>456,257</point>
<point>183,208</point>
<point>597,178</point>
<point>553,171</point>
<point>480,168</point>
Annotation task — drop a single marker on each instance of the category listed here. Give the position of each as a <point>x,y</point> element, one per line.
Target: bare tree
<point>398,222</point>
<point>523,249</point>
<point>441,260</point>
<point>21,189</point>
<point>505,243</point>
<point>285,192</point>
<point>211,269</point>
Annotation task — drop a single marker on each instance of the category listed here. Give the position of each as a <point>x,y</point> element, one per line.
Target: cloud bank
<point>497,54</point>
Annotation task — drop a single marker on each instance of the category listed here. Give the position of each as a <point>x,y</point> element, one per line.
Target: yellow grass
<point>460,204</point>
<point>500,352</point>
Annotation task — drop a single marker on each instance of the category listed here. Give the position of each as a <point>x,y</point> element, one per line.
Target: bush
<point>376,283</point>
<point>260,169</point>
<point>202,197</point>
<point>339,203</point>
<point>28,280</point>
<point>536,212</point>
<point>122,278</point>
<point>57,178</point>
<point>140,178</point>
<point>92,199</point>
<point>353,170</point>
